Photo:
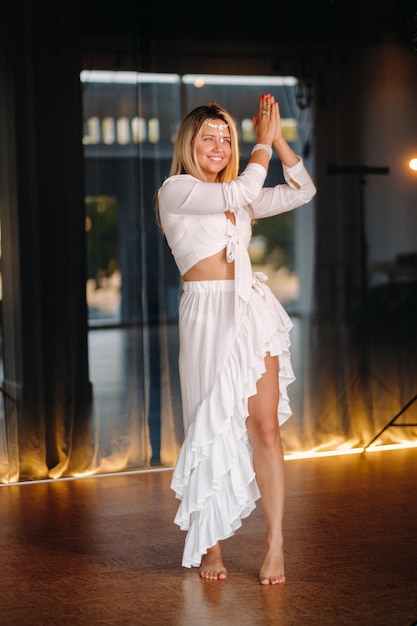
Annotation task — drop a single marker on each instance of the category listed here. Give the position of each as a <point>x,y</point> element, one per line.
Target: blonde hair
<point>184,159</point>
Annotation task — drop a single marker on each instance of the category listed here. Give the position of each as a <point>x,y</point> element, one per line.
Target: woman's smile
<point>214,149</point>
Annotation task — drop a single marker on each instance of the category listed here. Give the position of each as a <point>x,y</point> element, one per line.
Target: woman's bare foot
<point>212,566</point>
<point>272,568</point>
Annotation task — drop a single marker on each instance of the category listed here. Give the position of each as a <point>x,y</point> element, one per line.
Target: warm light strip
<point>88,475</point>
<point>311,454</point>
<point>392,446</point>
<point>288,457</point>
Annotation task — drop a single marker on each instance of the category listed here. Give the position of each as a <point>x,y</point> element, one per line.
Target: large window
<point>133,287</point>
<point>130,122</point>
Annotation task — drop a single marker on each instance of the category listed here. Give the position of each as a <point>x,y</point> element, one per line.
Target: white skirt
<point>219,367</point>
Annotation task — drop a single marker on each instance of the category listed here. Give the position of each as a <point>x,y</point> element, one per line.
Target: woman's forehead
<point>216,124</point>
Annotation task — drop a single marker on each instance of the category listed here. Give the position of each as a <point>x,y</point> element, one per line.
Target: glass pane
<point>103,273</point>
<point>133,288</point>
<point>130,125</point>
<point>273,246</point>
<point>130,120</point>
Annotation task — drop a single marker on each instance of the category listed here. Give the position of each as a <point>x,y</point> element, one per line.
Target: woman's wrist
<point>266,139</point>
<point>277,141</point>
<point>262,146</point>
<point>285,153</point>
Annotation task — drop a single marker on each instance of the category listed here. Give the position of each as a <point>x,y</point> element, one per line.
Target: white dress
<point>226,329</point>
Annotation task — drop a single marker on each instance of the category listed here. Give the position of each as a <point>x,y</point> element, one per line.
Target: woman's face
<point>213,148</point>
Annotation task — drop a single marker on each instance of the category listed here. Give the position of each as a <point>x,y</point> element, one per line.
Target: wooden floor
<point>105,551</point>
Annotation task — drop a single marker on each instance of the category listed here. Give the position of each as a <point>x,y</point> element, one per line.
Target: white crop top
<point>192,215</point>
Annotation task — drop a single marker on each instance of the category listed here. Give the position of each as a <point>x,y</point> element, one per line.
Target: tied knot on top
<point>236,252</point>
<point>246,280</point>
<point>231,247</point>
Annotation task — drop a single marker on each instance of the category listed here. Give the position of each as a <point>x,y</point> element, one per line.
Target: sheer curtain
<point>353,344</point>
<point>349,353</point>
<point>133,285</point>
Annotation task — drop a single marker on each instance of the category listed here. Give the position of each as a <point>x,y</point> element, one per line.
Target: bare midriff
<point>213,267</point>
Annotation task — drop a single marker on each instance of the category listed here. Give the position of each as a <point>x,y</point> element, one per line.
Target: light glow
<point>292,456</point>
<point>126,78</point>
<point>311,454</point>
<point>413,164</point>
<point>199,80</point>
<point>391,446</point>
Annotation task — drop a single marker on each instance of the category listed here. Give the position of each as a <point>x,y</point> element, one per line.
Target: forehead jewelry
<point>219,127</point>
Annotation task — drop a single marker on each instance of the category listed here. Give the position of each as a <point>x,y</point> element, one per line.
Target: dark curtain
<point>90,290</point>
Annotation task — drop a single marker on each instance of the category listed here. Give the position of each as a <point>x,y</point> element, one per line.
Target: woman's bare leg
<point>264,434</point>
<point>212,564</point>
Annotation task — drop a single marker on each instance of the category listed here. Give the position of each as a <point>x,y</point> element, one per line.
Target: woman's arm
<point>298,190</point>
<point>184,194</point>
<point>286,154</point>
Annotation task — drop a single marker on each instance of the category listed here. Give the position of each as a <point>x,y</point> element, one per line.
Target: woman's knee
<point>265,430</point>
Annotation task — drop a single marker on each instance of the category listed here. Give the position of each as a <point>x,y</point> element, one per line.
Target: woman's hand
<point>266,123</point>
<point>278,129</point>
<point>279,143</point>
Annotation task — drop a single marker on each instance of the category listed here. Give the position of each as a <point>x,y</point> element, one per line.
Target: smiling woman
<point>234,359</point>
<point>130,432</point>
<point>213,149</point>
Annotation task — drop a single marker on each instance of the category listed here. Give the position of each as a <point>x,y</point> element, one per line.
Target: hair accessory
<point>262,146</point>
<point>219,127</point>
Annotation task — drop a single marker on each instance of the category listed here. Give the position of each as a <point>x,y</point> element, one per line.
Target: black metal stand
<point>392,422</point>
<point>361,171</point>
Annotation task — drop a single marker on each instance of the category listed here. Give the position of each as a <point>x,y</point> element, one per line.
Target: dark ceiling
<point>301,22</point>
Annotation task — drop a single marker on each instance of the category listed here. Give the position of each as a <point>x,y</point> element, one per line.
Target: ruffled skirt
<point>220,364</point>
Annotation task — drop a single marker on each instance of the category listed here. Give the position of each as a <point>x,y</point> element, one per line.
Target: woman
<point>234,335</point>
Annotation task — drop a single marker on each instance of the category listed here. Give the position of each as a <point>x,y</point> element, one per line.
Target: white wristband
<point>262,146</point>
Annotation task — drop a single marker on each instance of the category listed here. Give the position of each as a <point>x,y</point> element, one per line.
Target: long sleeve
<point>296,191</point>
<point>184,194</point>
